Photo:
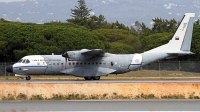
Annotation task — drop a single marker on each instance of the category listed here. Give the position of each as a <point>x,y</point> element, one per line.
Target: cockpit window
<point>24,61</point>
<point>27,61</point>
<point>20,61</point>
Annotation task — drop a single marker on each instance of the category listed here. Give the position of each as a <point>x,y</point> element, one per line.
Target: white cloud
<point>112,0</point>
<point>169,13</point>
<point>12,1</point>
<point>104,2</point>
<point>170,5</point>
<point>151,23</point>
<point>133,24</point>
<point>18,19</point>
<point>96,5</point>
<point>196,3</point>
<point>4,14</point>
<point>178,14</point>
<point>92,13</point>
<point>50,13</point>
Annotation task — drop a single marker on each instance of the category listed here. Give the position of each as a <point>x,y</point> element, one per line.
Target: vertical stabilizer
<point>181,40</point>
<point>183,35</point>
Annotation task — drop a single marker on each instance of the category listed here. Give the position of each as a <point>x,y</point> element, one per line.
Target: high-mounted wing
<point>94,52</point>
<point>83,54</point>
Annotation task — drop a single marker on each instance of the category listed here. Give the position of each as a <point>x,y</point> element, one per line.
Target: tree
<point>81,10</point>
<point>162,25</point>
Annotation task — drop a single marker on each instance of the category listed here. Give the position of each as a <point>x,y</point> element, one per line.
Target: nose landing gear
<point>24,75</point>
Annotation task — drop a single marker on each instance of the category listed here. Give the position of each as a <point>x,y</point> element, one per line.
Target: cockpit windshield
<point>24,61</point>
<point>20,61</point>
<point>27,61</point>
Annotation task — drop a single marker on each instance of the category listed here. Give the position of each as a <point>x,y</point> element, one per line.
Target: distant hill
<point>125,11</point>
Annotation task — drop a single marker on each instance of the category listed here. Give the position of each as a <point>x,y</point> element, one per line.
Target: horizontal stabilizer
<point>181,53</point>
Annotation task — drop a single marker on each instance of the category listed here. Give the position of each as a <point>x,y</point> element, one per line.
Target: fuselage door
<point>136,62</point>
<point>49,65</point>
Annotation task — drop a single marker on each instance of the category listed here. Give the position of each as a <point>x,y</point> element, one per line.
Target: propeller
<point>65,54</point>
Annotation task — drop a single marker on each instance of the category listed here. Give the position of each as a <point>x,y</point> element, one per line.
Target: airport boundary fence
<point>186,66</point>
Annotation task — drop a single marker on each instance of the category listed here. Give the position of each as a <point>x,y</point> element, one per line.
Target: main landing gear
<point>28,78</point>
<point>92,78</point>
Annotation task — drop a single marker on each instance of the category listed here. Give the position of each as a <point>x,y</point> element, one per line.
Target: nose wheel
<point>28,78</point>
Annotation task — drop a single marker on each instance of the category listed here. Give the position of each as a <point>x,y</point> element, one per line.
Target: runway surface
<point>105,81</point>
<point>133,105</point>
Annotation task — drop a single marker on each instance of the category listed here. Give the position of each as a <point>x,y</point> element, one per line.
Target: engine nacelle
<point>76,55</point>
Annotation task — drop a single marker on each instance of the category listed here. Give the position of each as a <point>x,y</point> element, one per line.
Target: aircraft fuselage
<point>56,64</point>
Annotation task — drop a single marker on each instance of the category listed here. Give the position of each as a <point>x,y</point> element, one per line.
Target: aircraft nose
<point>9,69</point>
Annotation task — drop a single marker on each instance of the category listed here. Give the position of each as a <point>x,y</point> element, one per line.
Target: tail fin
<point>181,41</point>
<point>183,36</point>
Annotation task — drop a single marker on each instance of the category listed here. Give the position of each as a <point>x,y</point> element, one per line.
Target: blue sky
<point>124,11</point>
<point>9,0</point>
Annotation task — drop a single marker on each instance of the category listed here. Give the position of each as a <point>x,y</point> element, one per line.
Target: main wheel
<point>28,78</point>
<point>88,78</point>
<point>96,78</point>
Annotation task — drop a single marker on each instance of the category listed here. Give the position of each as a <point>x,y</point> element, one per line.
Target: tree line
<point>85,31</point>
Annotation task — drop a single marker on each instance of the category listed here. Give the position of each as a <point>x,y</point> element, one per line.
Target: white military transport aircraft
<point>91,64</point>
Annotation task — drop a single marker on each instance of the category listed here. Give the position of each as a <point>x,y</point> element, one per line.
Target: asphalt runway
<point>132,105</point>
<point>104,81</point>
